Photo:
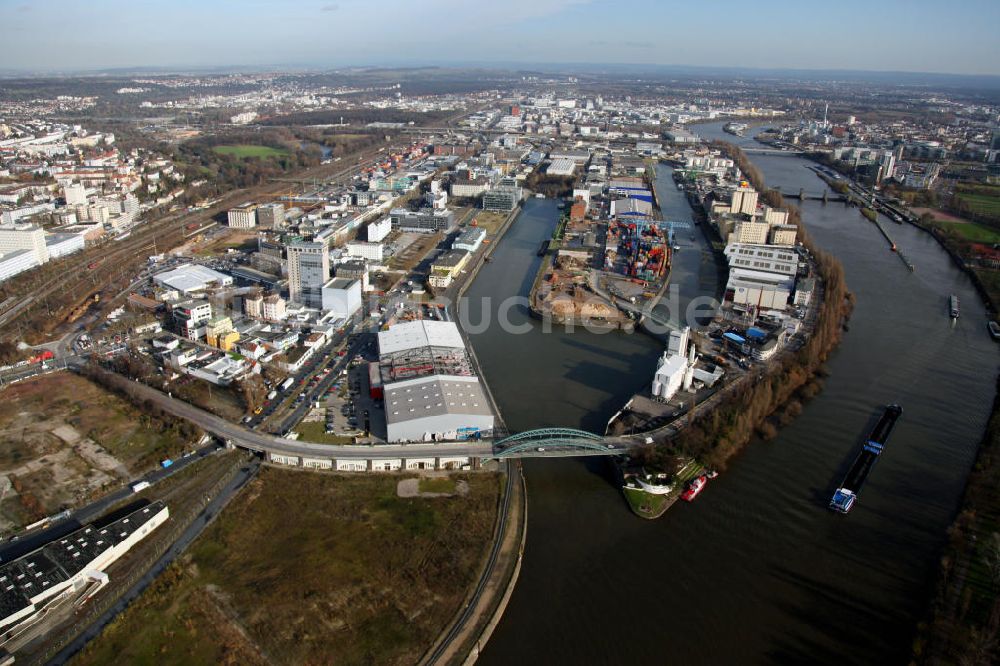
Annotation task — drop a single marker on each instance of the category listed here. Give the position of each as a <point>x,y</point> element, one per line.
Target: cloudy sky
<point>959,36</point>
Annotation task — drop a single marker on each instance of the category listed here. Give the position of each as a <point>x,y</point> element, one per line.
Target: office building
<point>469,188</point>
<point>308,271</point>
<point>378,230</point>
<point>17,261</point>
<point>342,297</point>
<point>75,194</point>
<point>425,220</point>
<point>271,216</point>
<point>62,244</point>
<point>502,199</point>
<point>365,250</point>
<point>191,317</point>
<point>29,237</point>
<point>242,217</point>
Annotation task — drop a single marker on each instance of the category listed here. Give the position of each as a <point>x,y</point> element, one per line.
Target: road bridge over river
<point>545,442</point>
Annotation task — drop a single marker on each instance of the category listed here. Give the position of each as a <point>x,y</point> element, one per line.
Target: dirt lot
<point>413,248</point>
<point>938,214</point>
<point>489,220</point>
<point>65,439</point>
<point>237,239</point>
<point>312,568</point>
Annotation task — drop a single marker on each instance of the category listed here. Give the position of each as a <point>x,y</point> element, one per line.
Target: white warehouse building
<point>431,390</point>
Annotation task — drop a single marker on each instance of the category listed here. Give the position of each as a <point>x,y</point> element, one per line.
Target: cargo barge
<point>847,494</point>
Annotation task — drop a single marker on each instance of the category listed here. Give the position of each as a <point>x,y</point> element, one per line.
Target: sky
<point>957,36</point>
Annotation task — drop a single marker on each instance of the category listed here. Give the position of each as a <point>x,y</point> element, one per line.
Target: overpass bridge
<point>772,151</point>
<point>824,196</point>
<point>544,442</point>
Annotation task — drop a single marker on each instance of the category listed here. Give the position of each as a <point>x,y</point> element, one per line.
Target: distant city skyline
<point>893,35</point>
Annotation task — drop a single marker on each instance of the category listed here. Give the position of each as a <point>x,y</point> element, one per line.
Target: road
<point>203,520</point>
<point>25,543</point>
<point>467,612</point>
<point>255,441</point>
<point>314,391</point>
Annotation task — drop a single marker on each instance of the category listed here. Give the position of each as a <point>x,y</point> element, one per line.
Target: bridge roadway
<point>772,151</point>
<point>544,445</point>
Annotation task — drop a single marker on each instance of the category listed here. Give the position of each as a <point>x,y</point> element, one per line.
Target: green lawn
<point>645,504</point>
<point>247,150</point>
<point>982,203</point>
<point>972,231</point>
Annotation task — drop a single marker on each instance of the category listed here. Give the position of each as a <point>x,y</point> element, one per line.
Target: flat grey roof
<point>436,395</point>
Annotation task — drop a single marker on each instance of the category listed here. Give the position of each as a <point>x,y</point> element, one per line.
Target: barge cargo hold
<point>847,494</point>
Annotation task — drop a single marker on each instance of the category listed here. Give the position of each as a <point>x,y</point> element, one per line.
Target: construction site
<point>564,295</point>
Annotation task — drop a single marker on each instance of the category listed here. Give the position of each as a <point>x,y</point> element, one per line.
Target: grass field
<point>64,439</point>
<point>982,203</point>
<point>243,150</point>
<point>646,504</point>
<point>972,231</point>
<point>311,568</point>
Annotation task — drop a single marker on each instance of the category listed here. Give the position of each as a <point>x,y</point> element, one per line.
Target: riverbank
<point>962,624</point>
<point>462,639</point>
<point>986,280</point>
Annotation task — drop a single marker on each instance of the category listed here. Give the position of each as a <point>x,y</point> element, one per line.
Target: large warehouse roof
<point>192,277</point>
<point>420,333</point>
<point>434,396</point>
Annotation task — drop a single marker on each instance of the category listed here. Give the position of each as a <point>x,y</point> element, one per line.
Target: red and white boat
<point>694,488</point>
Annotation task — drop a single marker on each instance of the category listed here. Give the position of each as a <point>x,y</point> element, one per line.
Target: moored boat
<point>694,488</point>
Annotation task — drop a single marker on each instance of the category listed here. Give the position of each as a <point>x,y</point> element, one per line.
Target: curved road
<point>498,542</point>
<point>256,441</point>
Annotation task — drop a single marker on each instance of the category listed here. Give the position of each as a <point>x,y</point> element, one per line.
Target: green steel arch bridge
<point>559,443</point>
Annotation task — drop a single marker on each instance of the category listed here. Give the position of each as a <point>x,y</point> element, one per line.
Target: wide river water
<point>758,570</point>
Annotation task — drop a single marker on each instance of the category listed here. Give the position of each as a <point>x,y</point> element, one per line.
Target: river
<point>757,570</point>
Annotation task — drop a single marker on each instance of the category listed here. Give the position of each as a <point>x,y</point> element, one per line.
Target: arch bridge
<point>556,442</point>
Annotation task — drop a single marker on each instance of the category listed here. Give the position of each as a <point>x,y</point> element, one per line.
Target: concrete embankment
<point>481,611</point>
